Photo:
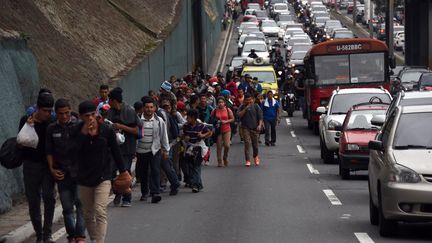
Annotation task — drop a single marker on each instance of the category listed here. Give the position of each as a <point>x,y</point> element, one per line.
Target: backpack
<point>10,155</point>
<point>174,130</point>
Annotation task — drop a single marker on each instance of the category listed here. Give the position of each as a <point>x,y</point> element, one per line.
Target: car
<point>282,28</point>
<point>330,25</point>
<point>296,40</point>
<point>320,14</point>
<point>333,115</point>
<point>254,6</point>
<point>245,25</point>
<point>250,18</point>
<point>320,21</point>
<point>399,40</point>
<point>279,8</point>
<point>261,15</point>
<point>289,32</point>
<point>342,34</point>
<point>297,58</point>
<point>249,12</point>
<point>260,48</point>
<point>413,98</point>
<point>301,47</point>
<point>250,30</point>
<point>355,133</point>
<point>269,28</point>
<point>284,18</point>
<point>400,169</point>
<point>350,6</point>
<point>344,4</point>
<point>425,82</point>
<point>247,37</point>
<point>332,30</point>
<point>265,73</point>
<point>235,66</point>
<point>409,76</point>
<point>381,35</point>
<point>317,8</point>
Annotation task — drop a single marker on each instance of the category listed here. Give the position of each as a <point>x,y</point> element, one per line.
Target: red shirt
<point>223,115</point>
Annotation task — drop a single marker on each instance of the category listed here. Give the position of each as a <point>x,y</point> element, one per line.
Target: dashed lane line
<point>312,169</point>
<point>300,149</point>
<point>363,237</point>
<point>288,121</point>
<point>332,197</point>
<point>293,134</point>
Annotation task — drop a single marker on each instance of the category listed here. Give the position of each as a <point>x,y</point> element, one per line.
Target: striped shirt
<point>147,139</point>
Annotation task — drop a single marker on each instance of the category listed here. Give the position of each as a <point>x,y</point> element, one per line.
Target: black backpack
<point>10,156</point>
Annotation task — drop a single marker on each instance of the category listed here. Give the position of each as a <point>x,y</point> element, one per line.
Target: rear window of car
<point>362,119</point>
<point>343,102</point>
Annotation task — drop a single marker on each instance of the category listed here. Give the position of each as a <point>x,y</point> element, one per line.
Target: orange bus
<point>344,63</point>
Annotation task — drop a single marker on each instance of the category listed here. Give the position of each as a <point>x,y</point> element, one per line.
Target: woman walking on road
<point>222,117</point>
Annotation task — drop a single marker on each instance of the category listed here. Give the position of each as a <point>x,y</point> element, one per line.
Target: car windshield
<point>299,55</point>
<point>413,131</point>
<point>343,102</point>
<point>246,25</point>
<point>320,14</point>
<point>322,20</point>
<point>277,1</point>
<point>292,42</point>
<point>254,6</point>
<point>344,35</point>
<point>333,25</point>
<point>249,30</point>
<point>269,24</point>
<point>408,77</point>
<point>319,8</point>
<point>354,68</point>
<point>281,7</point>
<point>263,76</point>
<point>258,47</point>
<point>291,31</point>
<point>297,48</point>
<point>260,14</point>
<point>258,34</point>
<point>361,119</point>
<point>250,19</point>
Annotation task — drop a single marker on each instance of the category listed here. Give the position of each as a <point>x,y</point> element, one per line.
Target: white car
<point>333,115</point>
<point>298,39</point>
<point>260,48</point>
<point>249,12</point>
<point>320,21</point>
<point>289,32</point>
<point>399,41</point>
<point>245,25</point>
<point>279,8</point>
<point>269,28</point>
<point>297,58</point>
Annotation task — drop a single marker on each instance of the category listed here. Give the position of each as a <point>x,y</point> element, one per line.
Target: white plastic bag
<point>27,136</point>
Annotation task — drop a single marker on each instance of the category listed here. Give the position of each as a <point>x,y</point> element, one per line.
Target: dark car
<point>409,76</point>
<point>356,132</point>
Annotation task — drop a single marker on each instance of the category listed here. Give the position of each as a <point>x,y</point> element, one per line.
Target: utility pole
<point>390,38</point>
<point>355,13</point>
<point>371,11</point>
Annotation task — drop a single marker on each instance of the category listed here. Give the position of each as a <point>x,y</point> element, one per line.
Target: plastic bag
<point>27,136</point>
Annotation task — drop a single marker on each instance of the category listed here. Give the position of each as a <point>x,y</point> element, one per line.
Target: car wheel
<point>328,156</point>
<point>344,172</point>
<point>321,150</point>
<point>373,211</point>
<point>386,227</point>
<point>315,128</point>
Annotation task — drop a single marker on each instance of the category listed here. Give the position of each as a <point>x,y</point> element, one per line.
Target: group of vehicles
<point>367,116</point>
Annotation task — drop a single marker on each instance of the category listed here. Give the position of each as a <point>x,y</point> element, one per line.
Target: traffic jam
<point>370,115</point>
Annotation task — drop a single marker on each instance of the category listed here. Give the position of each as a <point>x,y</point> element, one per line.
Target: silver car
<point>400,169</point>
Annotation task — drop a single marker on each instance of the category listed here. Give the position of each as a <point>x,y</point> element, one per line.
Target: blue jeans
<point>68,191</point>
<point>195,168</point>
<point>167,167</point>
<point>153,162</point>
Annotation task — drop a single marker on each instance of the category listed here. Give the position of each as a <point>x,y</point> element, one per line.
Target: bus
<point>344,63</point>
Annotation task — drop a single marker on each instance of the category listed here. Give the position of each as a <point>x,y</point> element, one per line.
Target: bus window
<point>332,69</point>
<point>367,67</point>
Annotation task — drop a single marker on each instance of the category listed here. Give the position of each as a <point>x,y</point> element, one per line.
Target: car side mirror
<point>321,110</point>
<point>375,145</point>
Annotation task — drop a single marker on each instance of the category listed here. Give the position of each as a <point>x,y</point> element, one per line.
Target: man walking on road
<point>126,121</point>
<point>251,118</point>
<point>64,170</point>
<point>151,149</point>
<point>271,114</point>
<point>37,177</point>
<point>93,145</point>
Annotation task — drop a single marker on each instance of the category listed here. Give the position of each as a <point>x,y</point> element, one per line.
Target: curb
<point>26,231</point>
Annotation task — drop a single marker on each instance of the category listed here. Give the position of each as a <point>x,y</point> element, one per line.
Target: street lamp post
<point>355,13</point>
<point>390,39</point>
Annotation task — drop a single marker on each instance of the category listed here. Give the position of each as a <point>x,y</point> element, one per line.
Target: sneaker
<point>126,204</point>
<point>117,200</point>
<point>174,191</point>
<point>156,199</point>
<point>195,189</point>
<point>48,239</point>
<point>248,163</point>
<point>143,198</point>
<point>206,163</point>
<point>257,161</point>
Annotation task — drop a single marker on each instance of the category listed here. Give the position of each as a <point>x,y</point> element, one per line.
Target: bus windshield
<point>350,69</point>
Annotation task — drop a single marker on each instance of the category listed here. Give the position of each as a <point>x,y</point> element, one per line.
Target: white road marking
<point>332,197</point>
<point>300,149</point>
<point>225,44</point>
<point>363,237</point>
<point>293,134</point>
<point>59,234</point>
<point>227,48</point>
<point>346,216</point>
<point>288,121</point>
<point>312,169</point>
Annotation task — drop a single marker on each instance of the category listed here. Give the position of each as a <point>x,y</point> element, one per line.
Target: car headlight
<point>403,174</point>
<point>352,147</point>
<point>332,124</point>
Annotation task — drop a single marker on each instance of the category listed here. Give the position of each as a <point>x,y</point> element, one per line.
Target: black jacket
<point>93,155</point>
